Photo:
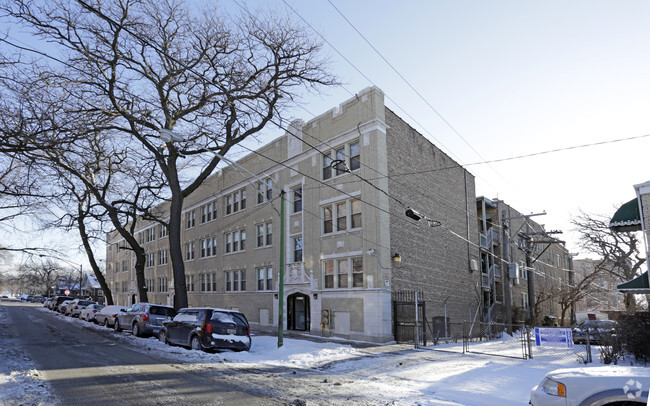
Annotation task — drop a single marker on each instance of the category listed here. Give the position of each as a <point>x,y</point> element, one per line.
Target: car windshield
<point>162,311</point>
<point>85,302</point>
<point>232,318</point>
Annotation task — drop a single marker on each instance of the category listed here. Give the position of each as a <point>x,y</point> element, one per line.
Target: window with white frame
<point>343,273</point>
<point>264,278</point>
<point>208,282</point>
<point>162,231</point>
<point>265,191</point>
<point>524,301</point>
<point>297,249</point>
<point>235,241</point>
<point>297,200</point>
<point>208,247</point>
<point>150,284</point>
<point>189,251</point>
<point>162,284</point>
<point>349,156</point>
<point>150,259</point>
<point>341,216</point>
<point>162,257</point>
<point>264,234</point>
<point>209,212</point>
<point>235,281</point>
<point>189,283</point>
<point>190,219</point>
<point>235,202</point>
<point>150,234</point>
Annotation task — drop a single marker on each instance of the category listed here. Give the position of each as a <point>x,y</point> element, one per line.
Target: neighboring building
<point>348,177</point>
<point>603,296</point>
<point>522,265</point>
<point>90,287</point>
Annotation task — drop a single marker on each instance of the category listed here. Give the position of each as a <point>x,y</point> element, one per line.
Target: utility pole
<point>281,275</point>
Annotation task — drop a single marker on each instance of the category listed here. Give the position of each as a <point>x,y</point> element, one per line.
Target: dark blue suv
<point>203,328</point>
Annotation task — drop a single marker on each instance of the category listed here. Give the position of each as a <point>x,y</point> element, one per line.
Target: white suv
<point>608,385</point>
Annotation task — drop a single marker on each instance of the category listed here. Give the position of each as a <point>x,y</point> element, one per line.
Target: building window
<point>343,273</point>
<point>228,282</point>
<point>162,257</point>
<point>208,282</point>
<point>235,281</point>
<point>209,212</point>
<point>190,219</point>
<point>162,284</point>
<point>236,201</point>
<point>341,216</point>
<point>265,278</point>
<point>347,214</point>
<point>189,251</point>
<point>355,217</point>
<point>150,234</point>
<point>162,231</point>
<point>338,273</point>
<point>265,191</point>
<point>208,247</point>
<point>150,285</point>
<point>189,283</point>
<point>524,301</point>
<point>329,274</point>
<point>357,272</point>
<point>264,234</point>
<point>235,241</point>
<point>355,156</point>
<point>151,259</point>
<point>297,200</point>
<point>297,249</point>
<point>349,156</point>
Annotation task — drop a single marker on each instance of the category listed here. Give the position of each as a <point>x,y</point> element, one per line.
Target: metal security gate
<point>407,323</point>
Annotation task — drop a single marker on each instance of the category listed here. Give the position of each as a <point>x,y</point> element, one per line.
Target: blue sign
<point>553,337</point>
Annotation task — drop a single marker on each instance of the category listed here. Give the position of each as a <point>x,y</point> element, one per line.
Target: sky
<point>491,81</point>
<point>487,81</point>
<point>375,375</point>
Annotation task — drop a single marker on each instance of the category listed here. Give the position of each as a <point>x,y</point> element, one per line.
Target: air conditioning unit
<point>513,270</point>
<point>473,265</point>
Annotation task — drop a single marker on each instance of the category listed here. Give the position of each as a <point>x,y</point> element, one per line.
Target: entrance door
<point>298,312</point>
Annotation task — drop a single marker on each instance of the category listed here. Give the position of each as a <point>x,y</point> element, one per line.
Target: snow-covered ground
<point>390,374</point>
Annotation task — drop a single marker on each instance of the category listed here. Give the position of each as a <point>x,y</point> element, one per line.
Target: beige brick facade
<point>342,229</point>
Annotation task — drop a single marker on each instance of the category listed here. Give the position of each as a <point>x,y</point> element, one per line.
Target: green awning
<point>627,217</point>
<point>636,285</point>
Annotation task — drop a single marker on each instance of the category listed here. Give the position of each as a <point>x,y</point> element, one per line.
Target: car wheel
<point>195,343</point>
<point>116,326</point>
<point>136,330</point>
<point>106,322</point>
<point>162,336</point>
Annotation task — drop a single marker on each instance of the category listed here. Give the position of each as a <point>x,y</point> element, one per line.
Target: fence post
<point>417,327</point>
<point>528,343</point>
<point>589,359</point>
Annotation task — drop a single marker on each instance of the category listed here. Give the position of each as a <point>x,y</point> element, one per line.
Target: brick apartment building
<point>513,281</point>
<point>349,176</point>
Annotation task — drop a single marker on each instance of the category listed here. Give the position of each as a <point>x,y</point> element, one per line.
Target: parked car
<point>74,308</point>
<point>62,306</point>
<point>88,313</point>
<point>106,316</point>
<point>207,329</point>
<point>56,302</point>
<point>37,299</point>
<point>26,298</point>
<point>144,318</point>
<point>608,385</point>
<point>600,331</point>
<point>46,302</point>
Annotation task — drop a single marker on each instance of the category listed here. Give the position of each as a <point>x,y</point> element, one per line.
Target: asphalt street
<point>86,367</point>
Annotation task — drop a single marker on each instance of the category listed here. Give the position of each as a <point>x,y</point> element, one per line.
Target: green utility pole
<point>281,275</point>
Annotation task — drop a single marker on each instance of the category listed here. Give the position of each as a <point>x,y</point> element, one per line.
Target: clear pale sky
<point>502,79</point>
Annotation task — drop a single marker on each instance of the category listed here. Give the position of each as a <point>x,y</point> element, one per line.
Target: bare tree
<point>619,251</point>
<point>144,65</point>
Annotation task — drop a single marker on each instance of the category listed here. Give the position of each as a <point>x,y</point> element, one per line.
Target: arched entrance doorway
<point>298,312</point>
<point>134,298</point>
